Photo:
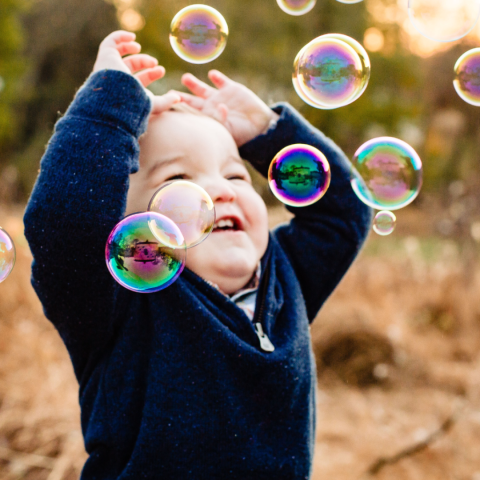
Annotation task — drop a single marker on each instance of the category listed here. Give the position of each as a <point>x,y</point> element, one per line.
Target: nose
<point>220,190</point>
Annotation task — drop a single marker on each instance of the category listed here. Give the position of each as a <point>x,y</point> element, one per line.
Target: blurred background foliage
<point>48,47</point>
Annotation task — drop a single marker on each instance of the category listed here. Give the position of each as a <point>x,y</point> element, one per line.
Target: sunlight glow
<point>440,17</point>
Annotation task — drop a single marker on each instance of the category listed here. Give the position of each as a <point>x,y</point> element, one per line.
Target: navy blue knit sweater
<point>174,384</point>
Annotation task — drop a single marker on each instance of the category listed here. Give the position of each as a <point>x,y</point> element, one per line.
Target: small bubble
<point>198,34</point>
<point>331,71</point>
<point>141,261</point>
<point>189,206</point>
<point>384,223</point>
<point>296,7</point>
<point>467,77</point>
<point>387,173</point>
<point>299,175</point>
<point>429,17</point>
<point>7,255</point>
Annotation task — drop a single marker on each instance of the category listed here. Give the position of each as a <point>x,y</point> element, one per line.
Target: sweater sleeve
<point>79,196</point>
<point>323,239</point>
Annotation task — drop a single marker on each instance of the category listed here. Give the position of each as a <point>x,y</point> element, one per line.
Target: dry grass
<point>40,436</point>
<point>397,348</point>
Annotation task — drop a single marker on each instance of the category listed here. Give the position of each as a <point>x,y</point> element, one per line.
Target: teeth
<point>225,223</point>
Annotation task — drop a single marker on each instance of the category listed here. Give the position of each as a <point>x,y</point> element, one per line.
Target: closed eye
<point>180,176</point>
<point>240,176</point>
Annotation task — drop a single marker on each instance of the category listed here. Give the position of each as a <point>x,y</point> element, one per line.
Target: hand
<point>143,67</point>
<point>235,106</point>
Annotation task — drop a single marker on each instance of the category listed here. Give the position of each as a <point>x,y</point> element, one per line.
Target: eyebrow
<point>173,159</point>
<point>237,159</point>
<point>165,163</point>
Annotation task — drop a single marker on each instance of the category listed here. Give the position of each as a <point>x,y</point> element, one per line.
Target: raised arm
<point>324,238</point>
<point>80,194</point>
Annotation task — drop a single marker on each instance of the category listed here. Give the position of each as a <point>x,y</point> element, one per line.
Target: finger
<point>119,36</point>
<point>192,100</point>
<point>140,61</point>
<point>129,48</point>
<point>219,79</point>
<point>146,77</point>
<point>223,112</point>
<point>163,103</point>
<point>196,86</point>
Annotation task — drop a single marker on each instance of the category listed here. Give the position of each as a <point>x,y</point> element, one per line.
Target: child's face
<point>181,145</point>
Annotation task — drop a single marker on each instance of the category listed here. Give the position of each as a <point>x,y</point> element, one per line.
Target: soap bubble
<point>467,77</point>
<point>332,71</point>
<point>299,175</point>
<point>7,254</point>
<point>189,206</point>
<point>137,259</point>
<point>444,20</point>
<point>296,84</point>
<point>389,173</point>
<point>384,222</point>
<point>362,54</point>
<point>296,7</point>
<point>349,1</point>
<point>198,34</point>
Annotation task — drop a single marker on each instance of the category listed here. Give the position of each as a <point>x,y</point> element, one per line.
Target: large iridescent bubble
<point>198,34</point>
<point>387,173</point>
<point>296,7</point>
<point>296,84</point>
<point>331,71</point>
<point>189,206</point>
<point>299,175</point>
<point>384,223</point>
<point>467,77</point>
<point>7,255</point>
<point>145,252</point>
<point>444,20</point>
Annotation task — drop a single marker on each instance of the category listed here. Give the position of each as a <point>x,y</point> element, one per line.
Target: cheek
<point>139,195</point>
<point>255,212</point>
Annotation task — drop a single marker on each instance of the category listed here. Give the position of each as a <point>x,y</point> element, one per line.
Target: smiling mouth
<point>227,224</point>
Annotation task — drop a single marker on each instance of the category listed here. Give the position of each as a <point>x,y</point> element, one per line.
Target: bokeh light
<point>387,173</point>
<point>296,7</point>
<point>7,255</point>
<point>331,71</point>
<point>137,259</point>
<point>384,222</point>
<point>189,206</point>
<point>349,1</point>
<point>198,34</point>
<point>299,175</point>
<point>373,39</point>
<point>467,77</point>
<point>444,20</point>
<point>131,20</point>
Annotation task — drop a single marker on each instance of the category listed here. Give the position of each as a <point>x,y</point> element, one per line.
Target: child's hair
<point>186,108</point>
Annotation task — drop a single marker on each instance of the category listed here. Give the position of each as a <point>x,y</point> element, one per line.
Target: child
<point>187,382</point>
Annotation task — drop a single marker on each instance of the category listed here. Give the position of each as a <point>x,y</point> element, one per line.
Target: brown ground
<point>398,360</point>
